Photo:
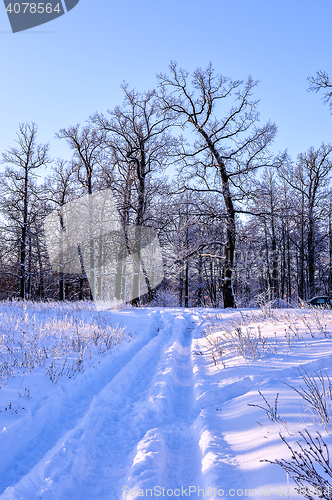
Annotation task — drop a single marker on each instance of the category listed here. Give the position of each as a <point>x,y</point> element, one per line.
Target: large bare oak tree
<point>229,144</point>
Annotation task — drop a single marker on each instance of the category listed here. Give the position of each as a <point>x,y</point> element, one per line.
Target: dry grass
<point>61,341</point>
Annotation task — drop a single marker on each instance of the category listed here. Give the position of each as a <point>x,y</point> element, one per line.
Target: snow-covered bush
<point>309,466</point>
<point>164,298</point>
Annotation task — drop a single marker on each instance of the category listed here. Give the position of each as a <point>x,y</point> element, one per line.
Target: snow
<point>154,415</point>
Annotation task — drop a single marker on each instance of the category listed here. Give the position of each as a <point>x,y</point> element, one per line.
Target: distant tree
<point>60,189</point>
<point>190,227</point>
<point>266,203</point>
<point>229,146</point>
<point>288,217</point>
<point>310,179</point>
<point>137,139</point>
<point>182,243</point>
<point>322,82</point>
<point>87,145</point>
<point>329,287</point>
<point>19,189</point>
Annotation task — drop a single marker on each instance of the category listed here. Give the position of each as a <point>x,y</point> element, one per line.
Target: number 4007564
<point>33,8</point>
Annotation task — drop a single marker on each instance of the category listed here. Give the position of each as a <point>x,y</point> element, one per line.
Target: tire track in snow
<point>169,455</point>
<point>181,439</point>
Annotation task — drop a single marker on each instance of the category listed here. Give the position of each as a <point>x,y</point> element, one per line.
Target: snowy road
<point>154,418</point>
<point>138,429</point>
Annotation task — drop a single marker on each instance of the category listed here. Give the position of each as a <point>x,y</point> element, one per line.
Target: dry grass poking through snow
<point>255,334</point>
<point>309,464</point>
<point>57,337</point>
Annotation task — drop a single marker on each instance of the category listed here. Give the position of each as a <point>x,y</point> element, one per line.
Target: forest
<point>191,160</point>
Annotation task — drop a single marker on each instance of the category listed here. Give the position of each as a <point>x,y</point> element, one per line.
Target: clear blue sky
<point>59,73</point>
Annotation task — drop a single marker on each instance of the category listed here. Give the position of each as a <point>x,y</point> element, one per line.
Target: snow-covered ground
<point>157,406</point>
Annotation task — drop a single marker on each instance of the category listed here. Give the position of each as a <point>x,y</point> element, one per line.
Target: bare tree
<point>138,143</point>
<point>266,202</point>
<point>60,189</point>
<point>18,187</point>
<point>310,177</point>
<point>321,81</point>
<point>231,147</point>
<point>87,144</point>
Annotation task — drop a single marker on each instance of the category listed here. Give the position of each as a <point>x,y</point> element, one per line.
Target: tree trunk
<point>275,282</point>
<point>302,294</point>
<point>24,238</point>
<point>283,261</point>
<point>311,254</point>
<point>186,285</point>
<point>200,282</point>
<point>141,173</point>
<point>81,292</point>
<point>41,271</point>
<point>62,294</point>
<point>180,288</point>
<point>228,295</point>
<point>330,255</point>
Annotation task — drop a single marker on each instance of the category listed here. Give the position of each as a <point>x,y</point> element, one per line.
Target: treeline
<point>191,160</point>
